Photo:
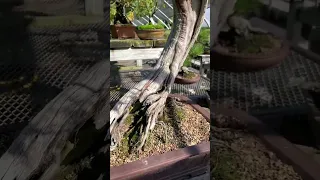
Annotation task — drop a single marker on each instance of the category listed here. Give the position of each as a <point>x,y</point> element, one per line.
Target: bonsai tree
<point>151,31</point>
<point>242,46</point>
<point>121,11</point>
<point>151,94</point>
<point>146,8</point>
<point>201,46</point>
<point>150,26</point>
<point>235,19</point>
<point>124,11</point>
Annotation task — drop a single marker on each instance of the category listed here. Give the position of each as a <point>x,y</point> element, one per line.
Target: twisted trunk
<point>153,91</point>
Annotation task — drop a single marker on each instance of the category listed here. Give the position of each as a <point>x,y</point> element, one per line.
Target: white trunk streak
<point>220,11</point>
<point>153,92</point>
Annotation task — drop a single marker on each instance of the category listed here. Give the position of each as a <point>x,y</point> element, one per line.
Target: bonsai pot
<point>151,34</point>
<point>182,163</point>
<point>123,31</point>
<point>182,80</point>
<point>231,61</point>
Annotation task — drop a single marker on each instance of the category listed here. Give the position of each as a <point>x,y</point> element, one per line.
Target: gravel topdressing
<point>181,126</point>
<point>236,154</point>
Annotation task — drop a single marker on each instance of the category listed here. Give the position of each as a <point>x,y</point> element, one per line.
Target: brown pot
<point>224,60</point>
<point>123,31</point>
<point>151,34</point>
<point>181,80</point>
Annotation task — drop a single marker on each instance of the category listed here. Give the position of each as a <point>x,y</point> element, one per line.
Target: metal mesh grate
<point>263,91</point>
<point>54,7</point>
<point>127,80</point>
<point>44,70</point>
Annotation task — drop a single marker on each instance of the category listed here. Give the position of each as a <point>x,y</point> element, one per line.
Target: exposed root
<point>242,26</point>
<point>157,103</point>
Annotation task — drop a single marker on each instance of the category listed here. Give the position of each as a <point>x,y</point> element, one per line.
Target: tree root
<point>157,104</point>
<point>243,26</point>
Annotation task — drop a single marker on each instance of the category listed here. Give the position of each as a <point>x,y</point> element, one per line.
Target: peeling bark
<point>153,91</point>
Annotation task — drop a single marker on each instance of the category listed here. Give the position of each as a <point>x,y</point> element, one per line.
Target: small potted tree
<point>151,31</point>
<point>242,47</point>
<point>202,46</point>
<point>148,8</point>
<point>121,17</point>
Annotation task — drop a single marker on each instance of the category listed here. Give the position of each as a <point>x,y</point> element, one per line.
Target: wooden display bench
<point>135,50</point>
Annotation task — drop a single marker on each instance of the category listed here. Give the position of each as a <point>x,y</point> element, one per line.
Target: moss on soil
<point>188,75</point>
<point>254,44</point>
<point>150,27</point>
<point>180,126</point>
<point>129,68</point>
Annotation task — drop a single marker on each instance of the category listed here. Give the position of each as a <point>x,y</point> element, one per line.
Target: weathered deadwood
<point>40,143</point>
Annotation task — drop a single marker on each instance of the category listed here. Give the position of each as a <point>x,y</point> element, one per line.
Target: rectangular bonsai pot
<point>301,162</point>
<point>179,164</point>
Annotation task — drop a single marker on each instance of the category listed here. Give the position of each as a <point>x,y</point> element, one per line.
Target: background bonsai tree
<point>146,8</point>
<point>121,11</point>
<point>151,26</point>
<point>201,46</point>
<point>124,11</point>
<point>231,15</point>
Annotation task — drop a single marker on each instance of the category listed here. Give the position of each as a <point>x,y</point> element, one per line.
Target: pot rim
<point>151,30</point>
<point>123,25</point>
<point>283,49</point>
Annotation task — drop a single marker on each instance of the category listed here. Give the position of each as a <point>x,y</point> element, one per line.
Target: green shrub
<point>150,26</point>
<point>204,37</point>
<point>187,62</point>
<point>201,45</point>
<point>196,50</point>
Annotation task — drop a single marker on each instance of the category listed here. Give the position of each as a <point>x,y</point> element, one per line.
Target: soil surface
<point>253,44</point>
<point>180,126</point>
<point>236,154</point>
<point>188,74</point>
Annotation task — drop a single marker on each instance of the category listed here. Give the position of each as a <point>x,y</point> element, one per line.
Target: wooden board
<point>135,54</point>
<point>40,143</point>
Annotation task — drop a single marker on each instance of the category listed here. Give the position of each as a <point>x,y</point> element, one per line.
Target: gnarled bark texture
<point>153,92</point>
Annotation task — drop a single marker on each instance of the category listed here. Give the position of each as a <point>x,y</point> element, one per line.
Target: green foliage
<point>150,26</point>
<point>187,62</point>
<point>113,12</point>
<point>127,5</point>
<point>204,37</point>
<point>201,45</point>
<point>196,50</point>
<point>247,7</point>
<point>145,7</point>
<point>134,8</point>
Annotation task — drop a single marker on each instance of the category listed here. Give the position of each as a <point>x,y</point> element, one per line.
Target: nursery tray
<point>181,164</point>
